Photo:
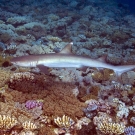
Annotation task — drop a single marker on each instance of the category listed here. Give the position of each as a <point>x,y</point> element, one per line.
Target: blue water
<point>129,3</point>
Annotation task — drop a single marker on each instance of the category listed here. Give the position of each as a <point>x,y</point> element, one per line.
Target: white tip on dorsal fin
<point>67,49</point>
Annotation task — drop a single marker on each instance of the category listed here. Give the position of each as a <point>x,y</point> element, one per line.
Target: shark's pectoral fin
<point>83,68</point>
<point>44,69</point>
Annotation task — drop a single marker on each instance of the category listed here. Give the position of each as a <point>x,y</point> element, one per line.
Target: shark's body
<point>66,59</point>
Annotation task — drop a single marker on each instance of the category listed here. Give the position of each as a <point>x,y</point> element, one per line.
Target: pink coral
<point>30,104</point>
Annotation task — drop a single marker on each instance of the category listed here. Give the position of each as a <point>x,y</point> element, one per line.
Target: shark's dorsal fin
<point>102,59</point>
<point>67,49</point>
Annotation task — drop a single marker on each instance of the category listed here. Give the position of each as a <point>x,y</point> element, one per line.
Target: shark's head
<point>23,61</point>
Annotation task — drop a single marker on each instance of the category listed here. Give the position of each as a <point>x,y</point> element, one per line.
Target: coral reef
<point>68,101</point>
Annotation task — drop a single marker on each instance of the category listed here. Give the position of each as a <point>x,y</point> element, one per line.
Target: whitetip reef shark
<point>65,59</point>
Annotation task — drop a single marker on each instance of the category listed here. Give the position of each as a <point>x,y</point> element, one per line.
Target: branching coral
<point>28,125</point>
<point>111,128</point>
<point>7,122</point>
<point>106,125</point>
<point>64,121</point>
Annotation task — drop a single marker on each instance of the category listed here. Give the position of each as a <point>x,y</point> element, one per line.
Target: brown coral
<point>4,77</point>
<point>26,82</point>
<point>103,75</point>
<point>58,97</point>
<point>62,101</point>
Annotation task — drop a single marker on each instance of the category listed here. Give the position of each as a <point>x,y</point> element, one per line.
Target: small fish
<point>66,59</point>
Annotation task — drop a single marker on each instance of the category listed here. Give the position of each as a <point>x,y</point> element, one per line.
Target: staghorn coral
<point>7,122</point>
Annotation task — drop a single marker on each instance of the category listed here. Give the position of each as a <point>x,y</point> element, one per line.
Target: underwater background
<point>68,101</point>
